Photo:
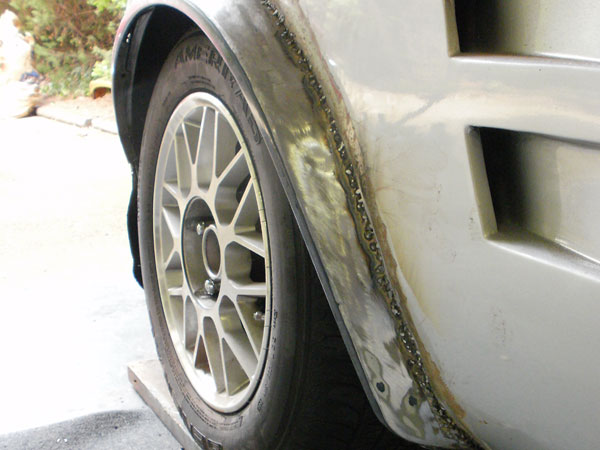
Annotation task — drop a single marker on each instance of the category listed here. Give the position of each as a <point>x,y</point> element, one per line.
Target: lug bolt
<point>200,226</point>
<point>211,287</point>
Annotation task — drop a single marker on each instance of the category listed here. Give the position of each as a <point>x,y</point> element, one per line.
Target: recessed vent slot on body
<point>539,187</point>
<point>563,29</point>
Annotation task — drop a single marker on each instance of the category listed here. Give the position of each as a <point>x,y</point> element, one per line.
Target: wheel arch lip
<point>369,332</point>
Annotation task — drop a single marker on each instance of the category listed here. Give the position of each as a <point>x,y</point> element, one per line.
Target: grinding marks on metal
<point>349,179</point>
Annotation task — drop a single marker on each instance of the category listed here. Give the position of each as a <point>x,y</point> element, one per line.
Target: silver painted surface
<point>545,186</point>
<point>536,27</point>
<point>510,323</point>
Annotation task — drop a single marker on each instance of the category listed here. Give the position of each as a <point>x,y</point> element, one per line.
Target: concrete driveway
<point>72,316</point>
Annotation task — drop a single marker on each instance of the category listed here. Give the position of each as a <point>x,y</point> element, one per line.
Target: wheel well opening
<point>140,57</point>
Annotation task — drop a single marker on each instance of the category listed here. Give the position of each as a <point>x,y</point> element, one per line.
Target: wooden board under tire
<point>148,380</point>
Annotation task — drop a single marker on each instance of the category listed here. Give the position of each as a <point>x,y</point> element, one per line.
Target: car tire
<point>303,391</point>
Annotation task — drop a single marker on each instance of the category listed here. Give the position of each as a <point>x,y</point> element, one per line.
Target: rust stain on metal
<point>446,394</point>
<point>349,175</point>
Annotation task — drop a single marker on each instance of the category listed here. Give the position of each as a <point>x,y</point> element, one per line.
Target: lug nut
<point>200,226</point>
<point>211,287</point>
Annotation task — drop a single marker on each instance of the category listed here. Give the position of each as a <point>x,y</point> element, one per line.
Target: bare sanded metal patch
<point>348,177</point>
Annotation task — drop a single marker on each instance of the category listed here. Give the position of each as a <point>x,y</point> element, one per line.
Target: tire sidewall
<point>194,66</point>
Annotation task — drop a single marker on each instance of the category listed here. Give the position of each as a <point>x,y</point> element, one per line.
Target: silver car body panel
<point>502,321</point>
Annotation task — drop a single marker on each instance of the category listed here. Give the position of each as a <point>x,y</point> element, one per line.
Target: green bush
<point>71,36</point>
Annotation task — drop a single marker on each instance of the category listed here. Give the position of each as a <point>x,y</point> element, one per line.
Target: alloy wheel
<point>211,252</point>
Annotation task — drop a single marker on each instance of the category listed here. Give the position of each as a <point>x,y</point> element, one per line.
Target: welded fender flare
<point>296,110</point>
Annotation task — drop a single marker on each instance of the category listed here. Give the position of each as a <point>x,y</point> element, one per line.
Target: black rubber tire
<point>309,396</point>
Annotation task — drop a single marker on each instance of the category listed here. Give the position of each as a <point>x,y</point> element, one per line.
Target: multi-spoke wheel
<point>210,251</point>
<point>250,349</point>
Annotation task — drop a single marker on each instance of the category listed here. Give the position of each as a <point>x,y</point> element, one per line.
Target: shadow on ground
<point>117,430</point>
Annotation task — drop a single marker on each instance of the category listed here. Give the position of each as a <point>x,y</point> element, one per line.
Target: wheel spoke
<point>184,164</point>
<point>190,324</point>
<point>173,270</point>
<point>253,241</point>
<point>236,377</point>
<point>170,258</point>
<point>175,309</point>
<point>174,285</point>
<point>205,152</point>
<point>252,315</point>
<point>191,132</point>
<point>170,176</point>
<point>213,351</point>
<point>167,242</point>
<point>170,227</point>
<point>249,288</point>
<point>234,173</point>
<point>176,291</point>
<point>172,220</point>
<point>226,145</point>
<point>236,336</point>
<point>246,216</point>
<point>173,195</point>
<point>230,186</point>
<point>200,357</point>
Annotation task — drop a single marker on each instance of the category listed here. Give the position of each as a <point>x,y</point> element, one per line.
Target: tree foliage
<point>71,36</point>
